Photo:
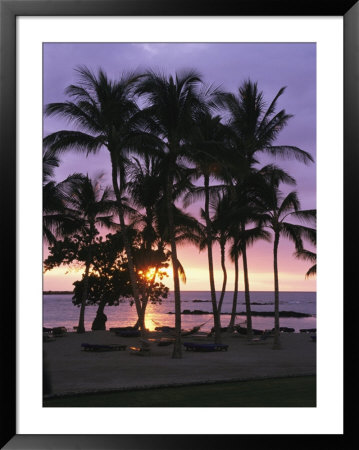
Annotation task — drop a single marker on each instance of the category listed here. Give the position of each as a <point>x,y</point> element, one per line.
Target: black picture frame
<point>9,10</point>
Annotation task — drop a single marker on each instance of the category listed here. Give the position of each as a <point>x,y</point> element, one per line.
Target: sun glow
<point>151,272</point>
<point>147,274</point>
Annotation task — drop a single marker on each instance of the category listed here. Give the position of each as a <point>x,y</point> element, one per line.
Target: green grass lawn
<point>286,392</point>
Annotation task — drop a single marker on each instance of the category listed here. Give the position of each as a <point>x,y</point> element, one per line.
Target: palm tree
<point>91,207</point>
<point>243,238</point>
<point>173,103</point>
<point>241,212</point>
<point>254,129</point>
<point>105,115</point>
<point>220,205</point>
<point>208,141</point>
<point>147,187</point>
<point>277,209</point>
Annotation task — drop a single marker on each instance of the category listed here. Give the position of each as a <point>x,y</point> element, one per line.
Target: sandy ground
<point>73,370</point>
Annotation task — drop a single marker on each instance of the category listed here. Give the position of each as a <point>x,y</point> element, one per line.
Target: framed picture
<point>39,41</point>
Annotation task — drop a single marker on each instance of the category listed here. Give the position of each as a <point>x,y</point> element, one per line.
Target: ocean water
<point>58,310</point>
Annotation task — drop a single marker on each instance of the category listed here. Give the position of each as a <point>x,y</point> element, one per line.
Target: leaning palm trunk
<point>141,319</point>
<point>235,294</point>
<point>276,344</point>
<point>140,324</point>
<point>177,349</point>
<point>246,292</point>
<point>216,317</point>
<point>224,270</point>
<point>126,241</point>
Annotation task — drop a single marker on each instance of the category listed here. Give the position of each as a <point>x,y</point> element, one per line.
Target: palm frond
<point>182,272</point>
<point>73,140</point>
<point>306,255</point>
<point>312,271</point>
<point>290,202</point>
<point>289,151</point>
<point>306,216</point>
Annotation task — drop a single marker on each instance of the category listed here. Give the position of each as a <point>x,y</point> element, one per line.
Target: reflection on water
<point>58,310</point>
<point>150,317</point>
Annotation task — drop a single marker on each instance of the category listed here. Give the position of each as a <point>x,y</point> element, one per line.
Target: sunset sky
<point>228,65</point>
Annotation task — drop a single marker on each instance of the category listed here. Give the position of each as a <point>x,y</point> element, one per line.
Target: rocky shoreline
<point>243,313</point>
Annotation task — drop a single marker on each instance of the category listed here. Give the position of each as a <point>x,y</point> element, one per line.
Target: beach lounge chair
<point>128,333</point>
<point>139,351</point>
<point>143,349</point>
<point>196,347</point>
<point>162,342</point>
<point>102,347</point>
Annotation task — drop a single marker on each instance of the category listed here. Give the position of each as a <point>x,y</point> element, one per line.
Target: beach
<point>75,371</point>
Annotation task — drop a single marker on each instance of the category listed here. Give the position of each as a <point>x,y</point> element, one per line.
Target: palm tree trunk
<point>141,319</point>
<point>216,317</point>
<point>126,240</point>
<point>141,322</point>
<point>246,292</point>
<point>235,294</point>
<point>177,348</point>
<point>81,324</point>
<point>276,344</point>
<point>224,270</point>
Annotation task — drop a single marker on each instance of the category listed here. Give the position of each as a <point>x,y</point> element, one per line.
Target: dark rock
<point>285,330</point>
<point>99,322</point>
<point>165,329</point>
<point>243,330</point>
<point>254,313</point>
<point>195,311</point>
<point>223,330</point>
<point>281,314</point>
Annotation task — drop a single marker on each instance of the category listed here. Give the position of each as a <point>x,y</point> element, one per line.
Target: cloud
<point>149,48</point>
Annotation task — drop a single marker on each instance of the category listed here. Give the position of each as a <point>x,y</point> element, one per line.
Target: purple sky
<point>228,65</point>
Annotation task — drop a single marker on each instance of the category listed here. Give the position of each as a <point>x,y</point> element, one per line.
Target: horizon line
<point>189,290</point>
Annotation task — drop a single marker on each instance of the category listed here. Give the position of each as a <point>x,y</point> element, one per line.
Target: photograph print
<point>179,224</point>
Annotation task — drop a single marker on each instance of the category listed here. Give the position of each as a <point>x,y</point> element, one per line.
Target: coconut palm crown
<point>256,127</point>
